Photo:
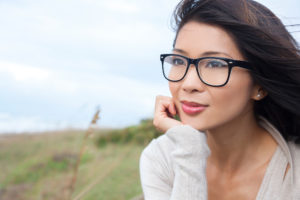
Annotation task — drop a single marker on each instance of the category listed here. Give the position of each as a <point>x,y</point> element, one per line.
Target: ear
<point>258,93</point>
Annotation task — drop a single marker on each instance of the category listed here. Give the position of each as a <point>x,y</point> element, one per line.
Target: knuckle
<point>159,97</point>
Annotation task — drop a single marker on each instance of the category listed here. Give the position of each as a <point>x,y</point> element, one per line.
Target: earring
<point>258,95</point>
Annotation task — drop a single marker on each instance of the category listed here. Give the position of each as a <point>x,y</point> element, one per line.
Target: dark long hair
<point>265,42</point>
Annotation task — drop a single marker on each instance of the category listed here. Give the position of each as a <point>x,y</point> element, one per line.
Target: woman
<point>234,76</point>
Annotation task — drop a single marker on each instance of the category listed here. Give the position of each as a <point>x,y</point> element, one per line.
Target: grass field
<point>40,167</point>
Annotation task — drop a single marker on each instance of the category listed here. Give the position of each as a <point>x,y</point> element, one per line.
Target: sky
<point>61,59</point>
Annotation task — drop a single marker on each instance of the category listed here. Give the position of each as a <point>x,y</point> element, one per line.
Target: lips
<point>192,108</point>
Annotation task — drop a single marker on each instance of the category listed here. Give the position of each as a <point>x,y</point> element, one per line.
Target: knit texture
<point>173,167</point>
<point>191,147</point>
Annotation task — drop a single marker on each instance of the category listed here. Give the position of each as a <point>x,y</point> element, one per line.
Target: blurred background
<point>60,61</point>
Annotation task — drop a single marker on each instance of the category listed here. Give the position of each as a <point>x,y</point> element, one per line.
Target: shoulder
<point>295,155</point>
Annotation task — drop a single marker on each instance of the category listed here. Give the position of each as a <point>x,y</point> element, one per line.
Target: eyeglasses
<point>212,71</point>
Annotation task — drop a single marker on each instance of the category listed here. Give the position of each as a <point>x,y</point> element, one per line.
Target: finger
<point>162,104</point>
<point>163,108</point>
<point>172,108</point>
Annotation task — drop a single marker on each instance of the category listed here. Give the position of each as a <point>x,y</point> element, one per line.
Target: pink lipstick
<point>192,108</point>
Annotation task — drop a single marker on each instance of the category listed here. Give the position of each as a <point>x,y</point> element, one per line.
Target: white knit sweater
<point>173,167</point>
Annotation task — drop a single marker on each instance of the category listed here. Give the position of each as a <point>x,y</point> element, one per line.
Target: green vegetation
<point>140,135</point>
<point>40,166</point>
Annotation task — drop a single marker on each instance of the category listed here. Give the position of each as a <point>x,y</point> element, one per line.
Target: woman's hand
<point>164,113</point>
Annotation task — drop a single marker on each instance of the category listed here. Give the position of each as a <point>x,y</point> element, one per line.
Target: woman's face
<point>221,104</point>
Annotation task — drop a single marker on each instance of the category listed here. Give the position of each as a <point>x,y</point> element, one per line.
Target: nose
<point>191,81</point>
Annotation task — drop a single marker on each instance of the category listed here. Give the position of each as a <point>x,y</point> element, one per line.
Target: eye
<point>215,64</point>
<point>177,61</point>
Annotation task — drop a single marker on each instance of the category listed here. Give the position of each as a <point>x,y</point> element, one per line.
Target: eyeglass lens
<point>212,71</point>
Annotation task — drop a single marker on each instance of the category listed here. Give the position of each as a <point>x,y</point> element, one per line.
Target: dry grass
<point>70,188</point>
<point>108,173</point>
<point>40,166</point>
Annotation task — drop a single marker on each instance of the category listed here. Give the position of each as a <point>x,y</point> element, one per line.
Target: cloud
<point>56,56</point>
<point>75,81</point>
<point>24,73</point>
<point>65,91</point>
<point>15,124</point>
<point>122,6</point>
<point>35,78</point>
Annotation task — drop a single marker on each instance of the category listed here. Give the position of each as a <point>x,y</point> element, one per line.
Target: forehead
<point>197,38</point>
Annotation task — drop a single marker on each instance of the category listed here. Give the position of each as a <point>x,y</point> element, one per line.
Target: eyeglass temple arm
<point>242,64</point>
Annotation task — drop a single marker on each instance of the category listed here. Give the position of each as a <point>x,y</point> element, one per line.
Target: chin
<point>196,122</point>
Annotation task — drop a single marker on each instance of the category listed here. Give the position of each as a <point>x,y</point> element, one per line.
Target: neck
<point>238,144</point>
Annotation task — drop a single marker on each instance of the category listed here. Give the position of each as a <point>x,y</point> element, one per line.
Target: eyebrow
<point>207,53</point>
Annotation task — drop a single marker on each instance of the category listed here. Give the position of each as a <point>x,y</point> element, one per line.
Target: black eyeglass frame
<point>231,63</point>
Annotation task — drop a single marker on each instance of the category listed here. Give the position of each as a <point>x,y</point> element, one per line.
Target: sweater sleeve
<point>189,158</point>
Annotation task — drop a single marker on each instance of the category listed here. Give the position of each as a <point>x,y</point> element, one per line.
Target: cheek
<point>234,97</point>
<point>174,88</point>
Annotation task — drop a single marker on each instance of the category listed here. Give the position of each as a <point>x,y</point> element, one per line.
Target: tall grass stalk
<point>88,132</point>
